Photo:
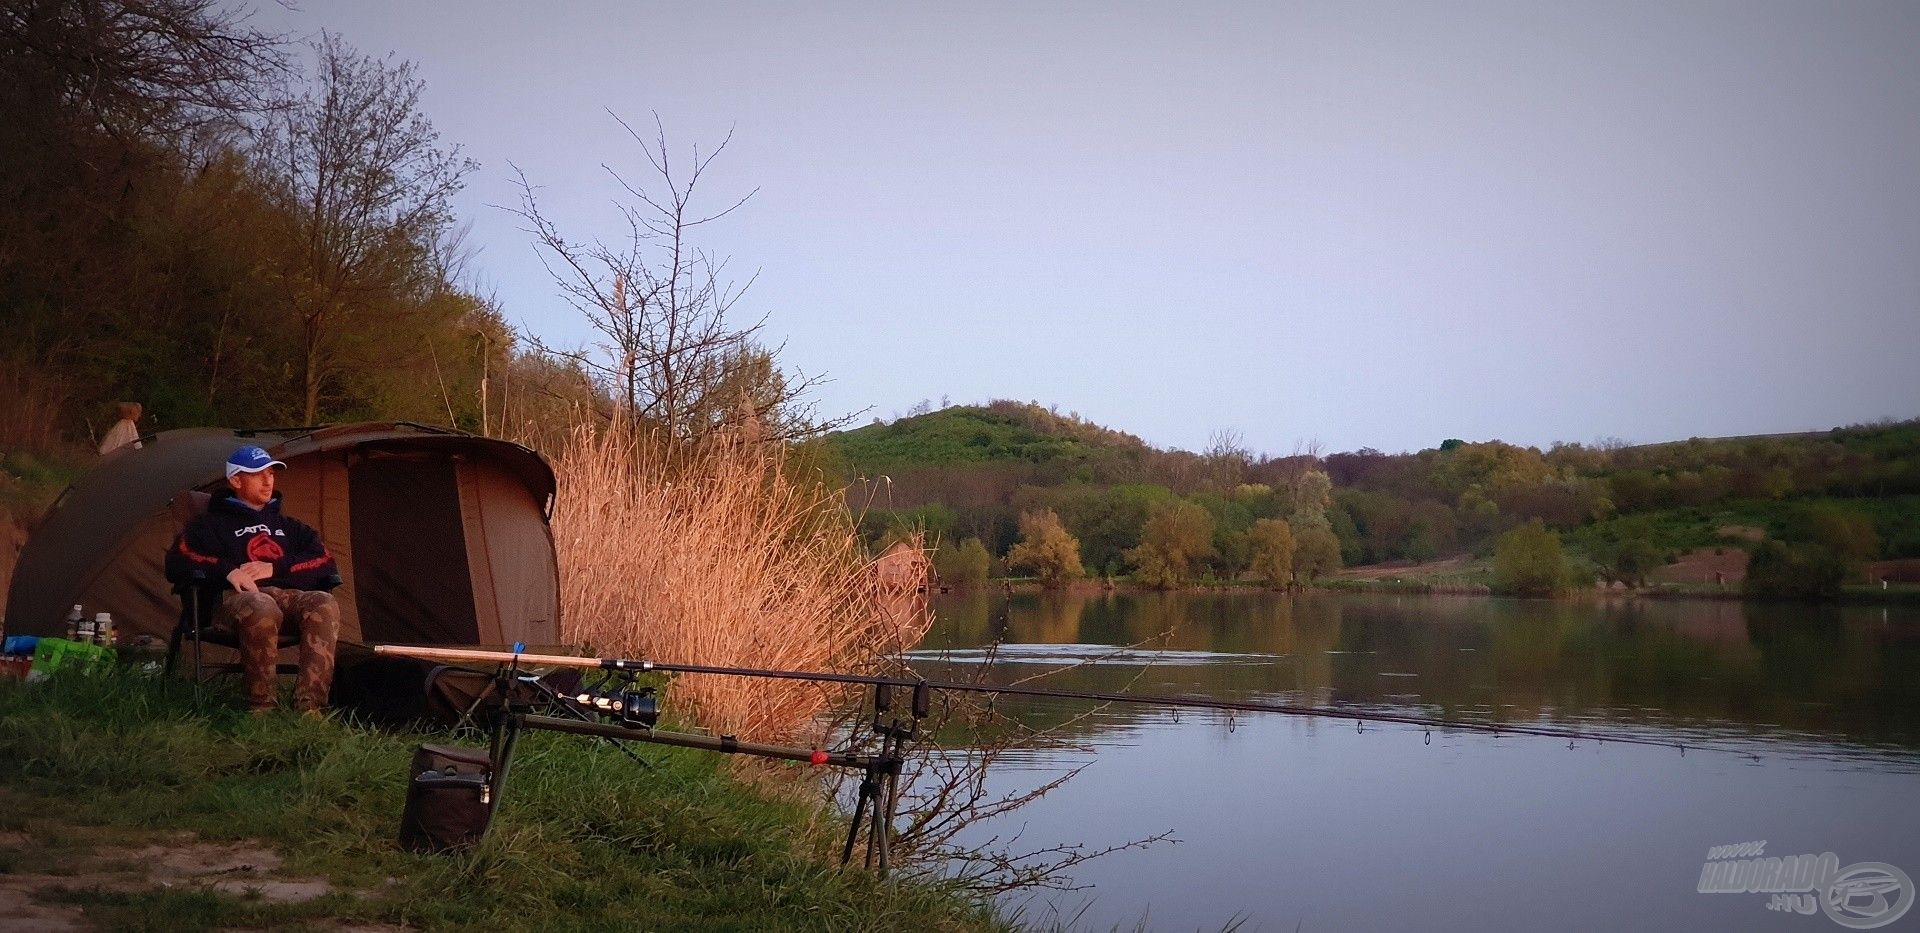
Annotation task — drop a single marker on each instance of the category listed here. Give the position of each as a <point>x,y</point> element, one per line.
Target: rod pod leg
<point>859,813</point>
<point>873,830</point>
<point>505,736</point>
<point>883,809</point>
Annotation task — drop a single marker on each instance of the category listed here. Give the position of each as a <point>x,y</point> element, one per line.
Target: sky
<point>1323,226</point>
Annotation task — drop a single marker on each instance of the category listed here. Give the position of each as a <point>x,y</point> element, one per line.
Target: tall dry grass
<point>31,400</point>
<point>714,552</point>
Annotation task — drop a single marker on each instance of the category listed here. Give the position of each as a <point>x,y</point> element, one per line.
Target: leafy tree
<point>109,109</point>
<point>1108,522</point>
<point>1312,494</point>
<point>1045,549</point>
<point>1231,518</point>
<point>1177,537</point>
<point>1633,560</point>
<point>1271,543</point>
<point>1316,552</point>
<point>1420,542</point>
<point>1232,550</point>
<point>963,564</point>
<point>1849,534</point>
<point>1779,570</point>
<point>1529,561</point>
<point>367,190</point>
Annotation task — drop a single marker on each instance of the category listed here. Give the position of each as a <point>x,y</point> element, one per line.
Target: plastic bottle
<point>103,630</point>
<point>74,619</point>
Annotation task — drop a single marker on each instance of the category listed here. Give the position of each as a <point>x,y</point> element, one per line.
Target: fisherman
<point>272,567</point>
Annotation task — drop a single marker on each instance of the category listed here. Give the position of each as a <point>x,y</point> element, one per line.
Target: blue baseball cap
<point>251,460</point>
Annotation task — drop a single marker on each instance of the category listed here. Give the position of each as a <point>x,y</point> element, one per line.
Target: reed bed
<point>715,552</point>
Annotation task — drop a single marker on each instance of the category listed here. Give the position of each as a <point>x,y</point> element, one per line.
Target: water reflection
<point>1694,668</point>
<point>1291,823</point>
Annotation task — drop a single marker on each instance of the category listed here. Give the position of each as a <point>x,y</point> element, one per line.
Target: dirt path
<point>44,862</point>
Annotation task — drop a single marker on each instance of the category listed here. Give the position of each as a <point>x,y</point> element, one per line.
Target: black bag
<point>449,801</point>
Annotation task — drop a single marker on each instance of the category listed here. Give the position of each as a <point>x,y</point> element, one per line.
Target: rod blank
<point>1176,702</point>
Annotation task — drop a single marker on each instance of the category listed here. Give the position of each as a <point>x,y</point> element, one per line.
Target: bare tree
<point>1227,459</point>
<point>369,187</point>
<point>137,68</point>
<point>669,353</point>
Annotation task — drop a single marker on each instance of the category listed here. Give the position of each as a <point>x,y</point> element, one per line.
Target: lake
<point>1802,726</point>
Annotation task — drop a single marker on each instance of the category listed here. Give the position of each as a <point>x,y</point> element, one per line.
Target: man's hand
<point>245,578</point>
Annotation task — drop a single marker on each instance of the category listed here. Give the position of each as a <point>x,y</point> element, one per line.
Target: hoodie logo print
<point>264,548</point>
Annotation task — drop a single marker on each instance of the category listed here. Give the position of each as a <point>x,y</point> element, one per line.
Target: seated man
<point>273,564</point>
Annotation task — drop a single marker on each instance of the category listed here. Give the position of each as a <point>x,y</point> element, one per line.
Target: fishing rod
<point>1359,717</point>
<point>629,711</point>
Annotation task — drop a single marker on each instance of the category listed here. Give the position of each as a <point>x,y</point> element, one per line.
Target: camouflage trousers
<point>260,617</point>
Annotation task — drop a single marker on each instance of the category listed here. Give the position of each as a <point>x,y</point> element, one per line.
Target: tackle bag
<point>449,799</point>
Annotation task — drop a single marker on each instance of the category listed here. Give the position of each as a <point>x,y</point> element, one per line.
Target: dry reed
<point>32,398</point>
<point>711,552</point>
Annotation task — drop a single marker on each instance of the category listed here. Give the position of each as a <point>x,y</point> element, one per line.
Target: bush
<point>1779,570</point>
<point>964,564</point>
<point>1528,561</point>
<point>1045,549</point>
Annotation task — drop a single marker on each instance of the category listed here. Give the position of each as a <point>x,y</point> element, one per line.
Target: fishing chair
<point>199,602</point>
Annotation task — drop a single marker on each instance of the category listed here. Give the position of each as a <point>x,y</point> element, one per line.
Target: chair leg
<point>195,597</point>
<point>173,648</point>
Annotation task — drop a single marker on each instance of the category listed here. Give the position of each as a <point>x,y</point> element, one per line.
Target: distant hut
<point>904,576</point>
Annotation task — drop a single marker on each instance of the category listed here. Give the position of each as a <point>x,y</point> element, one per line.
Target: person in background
<point>124,432</point>
<point>273,566</point>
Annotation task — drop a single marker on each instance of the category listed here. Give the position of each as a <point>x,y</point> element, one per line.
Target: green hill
<point>999,432</point>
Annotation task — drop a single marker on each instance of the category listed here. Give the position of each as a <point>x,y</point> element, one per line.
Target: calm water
<point>1286,823</point>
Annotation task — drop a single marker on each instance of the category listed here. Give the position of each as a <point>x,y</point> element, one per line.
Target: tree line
<point>1012,480</point>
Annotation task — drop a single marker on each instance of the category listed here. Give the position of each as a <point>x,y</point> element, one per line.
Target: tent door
<point>409,552</point>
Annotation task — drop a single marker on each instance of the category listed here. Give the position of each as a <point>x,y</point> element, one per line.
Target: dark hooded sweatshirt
<point>232,533</point>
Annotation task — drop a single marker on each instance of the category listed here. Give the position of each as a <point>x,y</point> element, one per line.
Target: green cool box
<point>57,654</point>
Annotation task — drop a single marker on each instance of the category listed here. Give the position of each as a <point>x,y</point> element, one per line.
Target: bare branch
<point>669,353</point>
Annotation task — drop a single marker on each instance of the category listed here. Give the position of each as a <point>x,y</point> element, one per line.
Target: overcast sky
<point>1332,225</point>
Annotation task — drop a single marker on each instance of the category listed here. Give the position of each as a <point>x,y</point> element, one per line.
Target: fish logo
<point>1868,895</point>
<point>262,547</point>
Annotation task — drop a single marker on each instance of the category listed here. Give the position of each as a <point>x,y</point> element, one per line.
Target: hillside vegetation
<point>972,472</point>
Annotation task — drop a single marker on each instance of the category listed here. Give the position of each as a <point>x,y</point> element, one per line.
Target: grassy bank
<point>585,839</point>
<point>1471,583</point>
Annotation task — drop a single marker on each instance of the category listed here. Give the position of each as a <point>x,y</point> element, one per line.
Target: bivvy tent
<point>441,536</point>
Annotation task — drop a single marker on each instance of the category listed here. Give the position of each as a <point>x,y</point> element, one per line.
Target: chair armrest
<point>199,580</point>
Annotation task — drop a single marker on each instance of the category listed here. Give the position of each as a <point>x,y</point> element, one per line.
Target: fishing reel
<point>632,706</point>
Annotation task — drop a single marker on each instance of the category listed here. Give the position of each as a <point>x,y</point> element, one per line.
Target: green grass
<point>584,839</point>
